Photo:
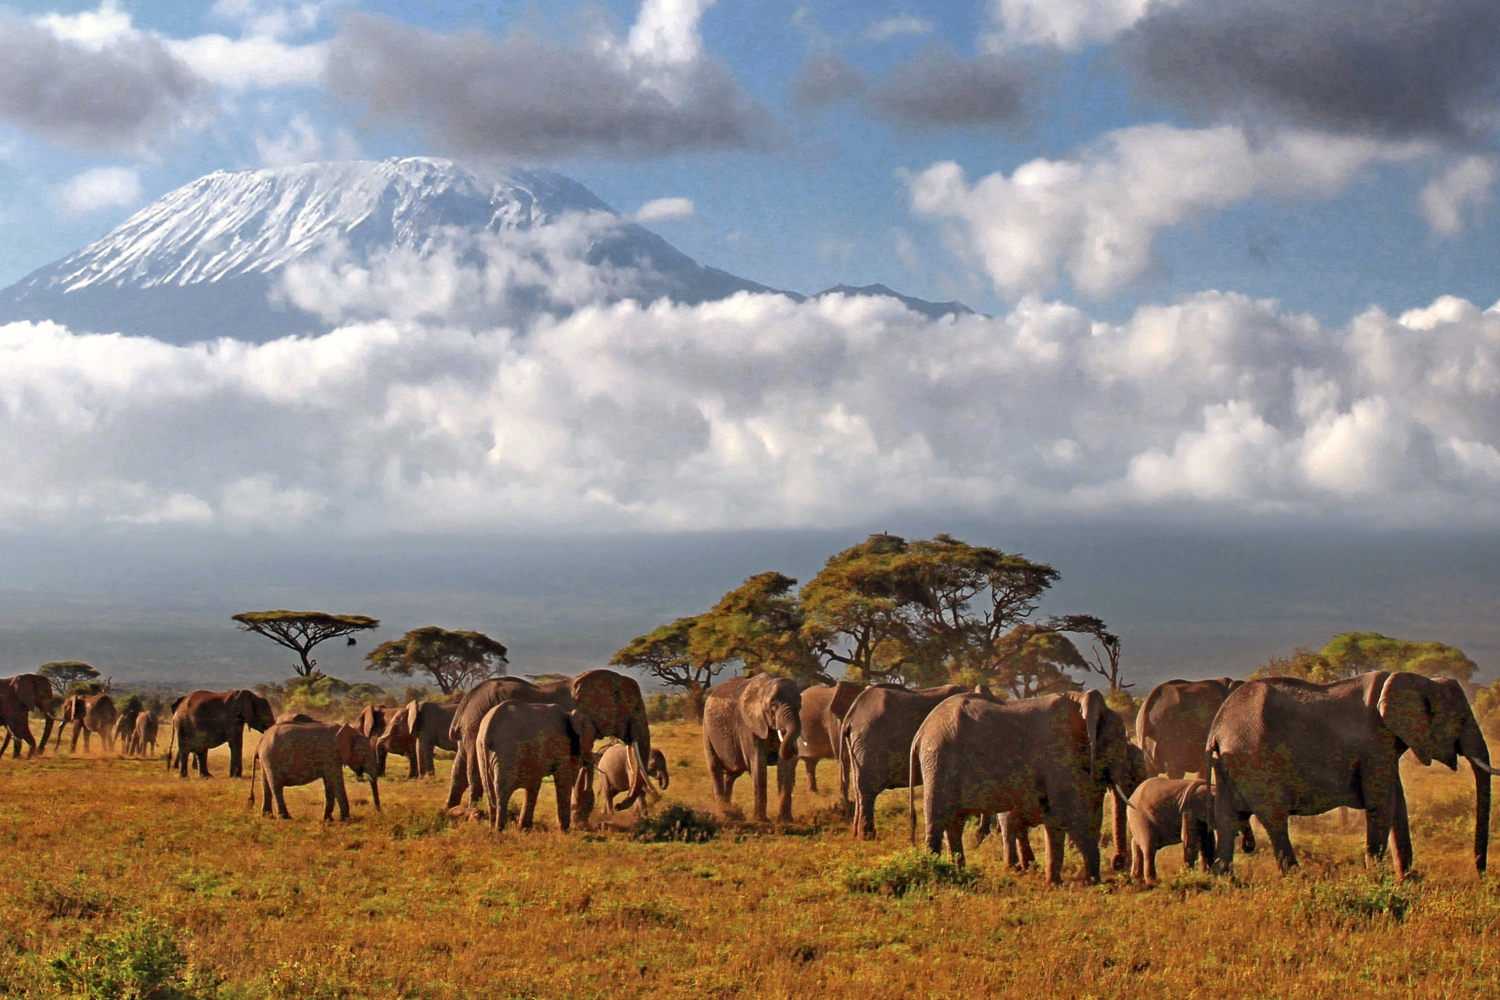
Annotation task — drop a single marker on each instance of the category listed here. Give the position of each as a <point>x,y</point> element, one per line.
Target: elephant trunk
<point>375,790</point>
<point>639,738</point>
<point>1472,745</point>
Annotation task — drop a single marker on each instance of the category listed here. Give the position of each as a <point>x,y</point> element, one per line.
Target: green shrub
<point>899,873</point>
<point>1355,899</point>
<point>678,824</point>
<point>141,960</point>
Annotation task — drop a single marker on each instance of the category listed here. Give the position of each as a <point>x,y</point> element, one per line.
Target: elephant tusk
<point>1123,797</point>
<point>1480,765</point>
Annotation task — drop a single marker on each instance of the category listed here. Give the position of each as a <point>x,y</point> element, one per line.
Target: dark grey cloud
<point>119,98</point>
<point>826,79</point>
<point>525,97</point>
<point>941,91</point>
<point>1394,68</point>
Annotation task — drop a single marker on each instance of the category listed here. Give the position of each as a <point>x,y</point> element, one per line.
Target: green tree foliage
<point>938,610</point>
<point>302,630</point>
<point>855,611</point>
<point>455,661</point>
<point>65,673</point>
<point>663,653</point>
<point>1031,660</point>
<point>1351,653</point>
<point>758,624</point>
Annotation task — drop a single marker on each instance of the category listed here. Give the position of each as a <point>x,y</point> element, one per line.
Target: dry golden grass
<point>405,904</point>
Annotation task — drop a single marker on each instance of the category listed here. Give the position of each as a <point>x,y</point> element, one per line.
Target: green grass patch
<point>899,873</point>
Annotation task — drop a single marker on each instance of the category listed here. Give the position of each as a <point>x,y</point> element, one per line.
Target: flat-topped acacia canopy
<point>302,630</point>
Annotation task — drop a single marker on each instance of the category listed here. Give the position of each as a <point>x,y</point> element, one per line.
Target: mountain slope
<point>210,259</point>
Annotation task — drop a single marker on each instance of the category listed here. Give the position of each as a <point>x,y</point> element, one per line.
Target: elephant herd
<point>1268,748</point>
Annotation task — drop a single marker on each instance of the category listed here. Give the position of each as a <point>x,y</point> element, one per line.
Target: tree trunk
<point>695,696</point>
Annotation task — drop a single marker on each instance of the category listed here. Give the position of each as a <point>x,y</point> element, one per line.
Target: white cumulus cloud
<point>102,187</point>
<point>1456,192</point>
<point>754,411</point>
<point>1096,216</point>
<point>664,208</point>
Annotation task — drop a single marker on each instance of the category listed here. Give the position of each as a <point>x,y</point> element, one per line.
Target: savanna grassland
<point>107,862</point>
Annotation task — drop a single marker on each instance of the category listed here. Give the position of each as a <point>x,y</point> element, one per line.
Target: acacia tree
<point>759,623</point>
<point>64,673</point>
<point>454,660</point>
<point>854,611</point>
<point>1104,655</point>
<point>1031,660</point>
<point>302,630</point>
<point>1351,653</point>
<point>663,653</point>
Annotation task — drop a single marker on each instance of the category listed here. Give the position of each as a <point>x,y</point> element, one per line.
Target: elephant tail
<point>911,789</point>
<point>171,741</point>
<point>844,763</point>
<point>254,760</point>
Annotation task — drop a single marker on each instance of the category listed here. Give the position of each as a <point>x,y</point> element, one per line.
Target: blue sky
<point>825,200</point>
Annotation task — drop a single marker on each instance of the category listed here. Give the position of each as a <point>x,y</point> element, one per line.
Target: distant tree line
<point>916,613</point>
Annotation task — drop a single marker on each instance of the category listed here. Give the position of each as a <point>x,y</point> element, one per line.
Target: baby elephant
<point>521,743</point>
<point>612,775</point>
<point>1165,812</point>
<point>299,753</point>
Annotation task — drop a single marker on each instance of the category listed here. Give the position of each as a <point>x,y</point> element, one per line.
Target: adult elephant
<point>1282,747</point>
<point>1047,761</point>
<point>748,722</point>
<point>13,718</point>
<point>34,692</point>
<point>143,740</point>
<point>299,753</point>
<point>519,744</point>
<point>206,719</point>
<point>428,726</point>
<point>874,738</point>
<point>611,701</point>
<point>387,727</point>
<point>823,710</point>
<point>1174,720</point>
<point>89,714</point>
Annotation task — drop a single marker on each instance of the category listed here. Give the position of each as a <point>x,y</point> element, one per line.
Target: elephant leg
<point>1228,821</point>
<point>328,799</point>
<point>280,788</point>
<point>458,781</point>
<point>986,824</point>
<point>1137,862</point>
<point>1148,852</point>
<point>340,792</point>
<point>562,783</point>
<point>502,806</point>
<point>236,751</point>
<point>265,792</point>
<point>758,778</point>
<point>1281,841</point>
<point>411,764</point>
<point>528,809</point>
<point>786,781</point>
<point>47,723</point>
<point>812,773</point>
<point>1401,834</point>
<point>1054,853</point>
<point>424,761</point>
<point>1119,831</point>
<point>1023,841</point>
<point>181,762</point>
<point>1087,842</point>
<point>954,832</point>
<point>380,756</point>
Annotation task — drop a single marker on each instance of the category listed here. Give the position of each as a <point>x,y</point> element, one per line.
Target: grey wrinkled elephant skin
<point>299,753</point>
<point>612,776</point>
<point>1048,761</point>
<point>1172,725</point>
<point>749,723</point>
<point>823,711</point>
<point>875,740</point>
<point>519,744</point>
<point>89,714</point>
<point>428,725</point>
<point>33,692</point>
<point>206,719</point>
<point>1282,747</point>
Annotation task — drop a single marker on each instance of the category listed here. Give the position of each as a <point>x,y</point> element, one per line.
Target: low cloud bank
<point>756,411</point>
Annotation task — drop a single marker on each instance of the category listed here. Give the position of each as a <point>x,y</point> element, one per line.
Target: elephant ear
<point>581,733</point>
<point>1093,708</point>
<point>756,703</point>
<point>1407,709</point>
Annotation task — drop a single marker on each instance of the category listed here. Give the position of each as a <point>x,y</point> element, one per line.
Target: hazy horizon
<point>154,607</point>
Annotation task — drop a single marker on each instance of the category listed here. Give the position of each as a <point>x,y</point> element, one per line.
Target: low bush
<point>140,960</point>
<point>1355,899</point>
<point>899,873</point>
<point>677,824</point>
